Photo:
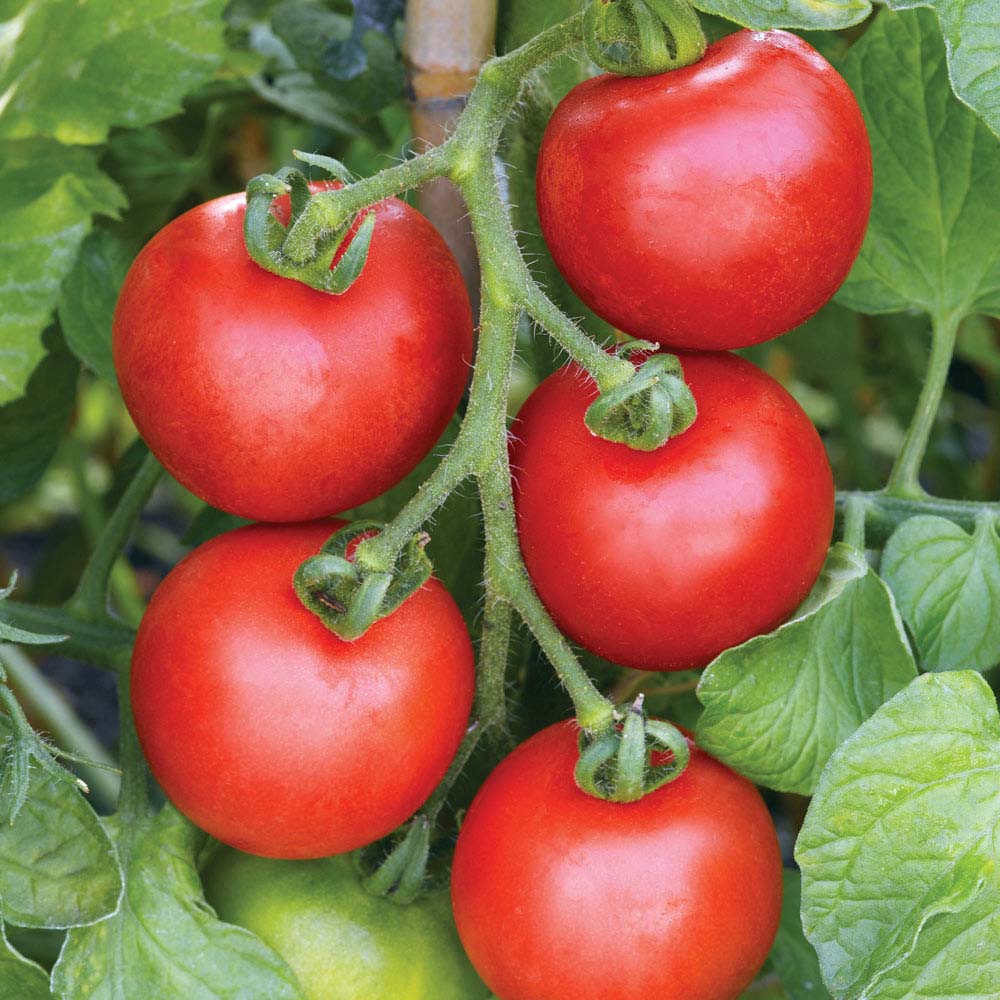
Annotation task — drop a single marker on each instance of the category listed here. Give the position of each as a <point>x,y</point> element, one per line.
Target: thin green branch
<point>90,600</point>
<point>593,711</point>
<point>904,480</point>
<point>133,800</point>
<point>884,513</point>
<point>327,213</point>
<point>608,371</point>
<point>855,514</point>
<point>124,588</point>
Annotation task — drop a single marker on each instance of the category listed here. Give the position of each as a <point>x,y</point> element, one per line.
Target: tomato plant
<point>341,942</point>
<point>285,404</point>
<point>651,668</point>
<point>559,894</point>
<point>644,557</point>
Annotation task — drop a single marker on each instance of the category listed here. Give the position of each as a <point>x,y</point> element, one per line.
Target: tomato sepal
<point>349,598</point>
<point>307,248</point>
<point>644,413</point>
<point>631,760</point>
<point>642,37</point>
<point>396,868</point>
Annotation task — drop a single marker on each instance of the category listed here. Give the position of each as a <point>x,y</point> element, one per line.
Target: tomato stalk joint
<point>632,759</point>
<point>349,598</point>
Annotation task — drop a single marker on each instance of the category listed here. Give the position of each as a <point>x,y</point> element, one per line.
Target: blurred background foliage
<point>329,77</point>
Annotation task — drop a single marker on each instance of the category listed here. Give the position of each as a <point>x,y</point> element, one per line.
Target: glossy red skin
<point>712,207</point>
<point>660,560</point>
<point>561,896</point>
<point>274,401</point>
<point>271,733</point>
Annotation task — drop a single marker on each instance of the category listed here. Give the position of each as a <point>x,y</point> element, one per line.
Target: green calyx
<point>396,868</point>
<point>347,597</point>
<point>644,413</point>
<point>642,37</point>
<point>620,764</point>
<point>306,248</point>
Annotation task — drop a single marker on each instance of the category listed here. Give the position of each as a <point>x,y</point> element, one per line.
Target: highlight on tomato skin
<point>270,732</point>
<point>660,560</point>
<point>562,896</point>
<point>277,402</point>
<point>714,206</point>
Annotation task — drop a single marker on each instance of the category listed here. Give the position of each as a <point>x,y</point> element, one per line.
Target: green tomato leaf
<point>900,895</point>
<point>793,958</point>
<point>971,31</point>
<point>165,940</point>
<point>32,426</point>
<point>314,35</point>
<point>72,70</point>
<point>777,706</point>
<point>47,196</point>
<point>20,979</point>
<point>805,14</point>
<point>947,585</point>
<point>9,633</point>
<point>931,242</point>
<point>57,866</point>
<point>87,302</point>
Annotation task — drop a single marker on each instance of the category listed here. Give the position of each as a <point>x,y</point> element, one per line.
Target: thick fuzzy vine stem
<point>468,158</point>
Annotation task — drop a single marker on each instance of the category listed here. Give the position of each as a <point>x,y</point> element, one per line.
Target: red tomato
<point>271,733</point>
<point>561,896</point>
<point>662,559</point>
<point>712,207</point>
<point>277,402</point>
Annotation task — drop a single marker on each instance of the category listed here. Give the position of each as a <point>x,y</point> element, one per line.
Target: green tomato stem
<point>884,512</point>
<point>125,592</point>
<point>855,514</point>
<point>90,600</point>
<point>904,480</point>
<point>133,799</point>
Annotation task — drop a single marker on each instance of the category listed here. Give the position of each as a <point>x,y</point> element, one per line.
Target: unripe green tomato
<point>341,942</point>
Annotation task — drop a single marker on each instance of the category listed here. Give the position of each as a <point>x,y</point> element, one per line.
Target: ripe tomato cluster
<point>706,209</point>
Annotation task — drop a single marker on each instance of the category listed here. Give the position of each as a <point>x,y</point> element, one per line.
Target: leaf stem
<point>90,600</point>
<point>855,513</point>
<point>133,800</point>
<point>904,480</point>
<point>884,512</point>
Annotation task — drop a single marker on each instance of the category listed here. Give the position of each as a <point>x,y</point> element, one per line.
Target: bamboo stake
<point>446,42</point>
